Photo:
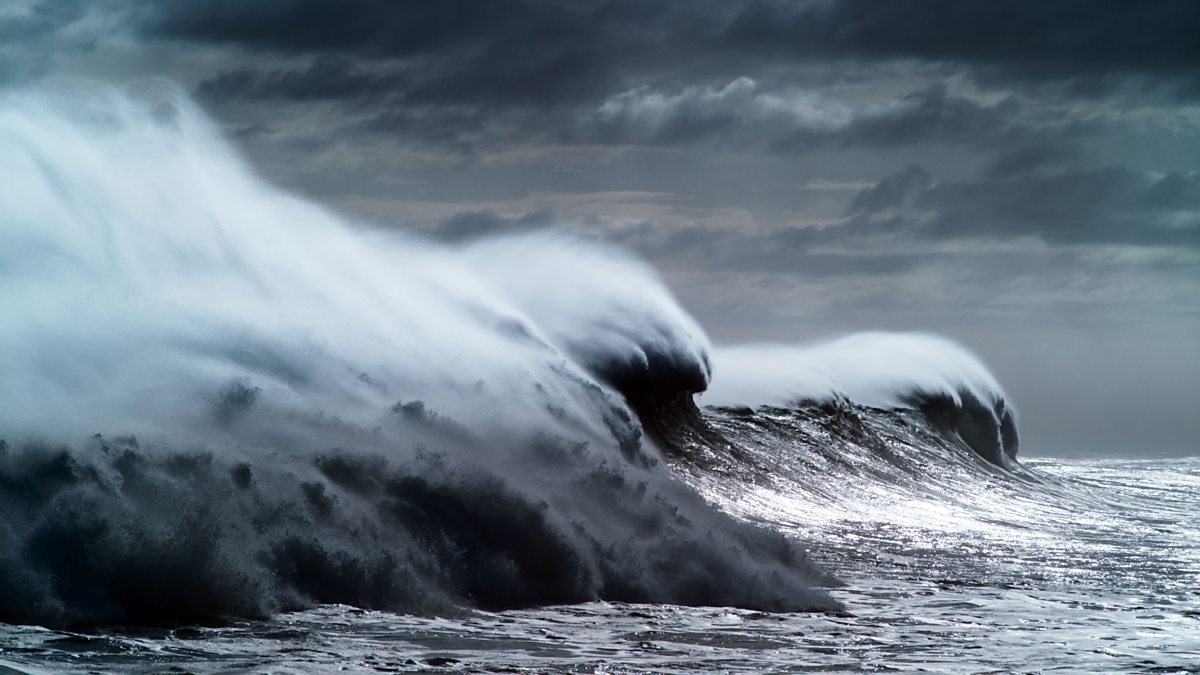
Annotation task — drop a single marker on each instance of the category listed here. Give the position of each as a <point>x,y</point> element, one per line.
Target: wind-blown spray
<point>220,400</point>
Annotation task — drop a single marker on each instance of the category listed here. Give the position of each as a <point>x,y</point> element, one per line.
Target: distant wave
<point>879,370</point>
<point>223,401</point>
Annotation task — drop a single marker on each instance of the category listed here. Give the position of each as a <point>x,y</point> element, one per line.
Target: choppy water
<point>1089,566</point>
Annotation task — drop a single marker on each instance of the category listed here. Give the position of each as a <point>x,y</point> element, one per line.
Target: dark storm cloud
<point>27,33</point>
<point>898,226</point>
<point>621,72</point>
<point>452,52</point>
<point>558,50</point>
<point>380,27</point>
<point>1105,205</point>
<point>1079,40</point>
<point>893,192</point>
<point>781,254</point>
<point>469,225</point>
<point>722,73</point>
<point>1029,158</point>
<point>38,19</point>
<point>325,78</point>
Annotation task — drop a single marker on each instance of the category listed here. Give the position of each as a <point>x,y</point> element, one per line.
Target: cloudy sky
<point>1021,176</point>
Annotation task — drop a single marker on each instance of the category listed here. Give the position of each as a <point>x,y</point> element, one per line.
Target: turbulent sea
<point>1082,565</point>
<point>241,433</point>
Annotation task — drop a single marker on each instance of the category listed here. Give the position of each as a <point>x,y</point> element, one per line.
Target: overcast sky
<point>1021,176</point>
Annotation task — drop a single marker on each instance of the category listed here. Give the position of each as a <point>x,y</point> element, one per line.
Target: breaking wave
<point>220,400</point>
<point>941,379</point>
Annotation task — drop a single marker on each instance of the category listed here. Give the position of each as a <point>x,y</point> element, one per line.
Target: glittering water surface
<point>1076,566</point>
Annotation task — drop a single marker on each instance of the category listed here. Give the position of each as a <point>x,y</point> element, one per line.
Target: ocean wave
<point>937,376</point>
<point>221,400</point>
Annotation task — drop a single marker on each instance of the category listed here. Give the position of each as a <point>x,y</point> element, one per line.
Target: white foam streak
<point>875,369</point>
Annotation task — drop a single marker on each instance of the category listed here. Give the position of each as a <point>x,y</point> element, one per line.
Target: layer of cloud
<point>1092,47</point>
<point>664,73</point>
<point>1102,205</point>
<point>463,52</point>
<point>746,114</point>
<point>26,26</point>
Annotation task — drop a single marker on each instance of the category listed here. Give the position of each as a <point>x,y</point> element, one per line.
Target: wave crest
<point>884,370</point>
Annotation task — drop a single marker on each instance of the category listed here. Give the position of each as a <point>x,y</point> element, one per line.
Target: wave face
<point>222,401</point>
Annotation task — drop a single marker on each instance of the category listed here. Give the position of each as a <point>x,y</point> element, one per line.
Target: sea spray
<point>219,400</point>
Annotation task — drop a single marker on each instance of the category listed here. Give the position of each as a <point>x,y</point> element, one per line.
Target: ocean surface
<point>1080,565</point>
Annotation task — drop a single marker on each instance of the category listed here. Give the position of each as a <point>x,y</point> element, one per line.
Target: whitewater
<point>239,431</point>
